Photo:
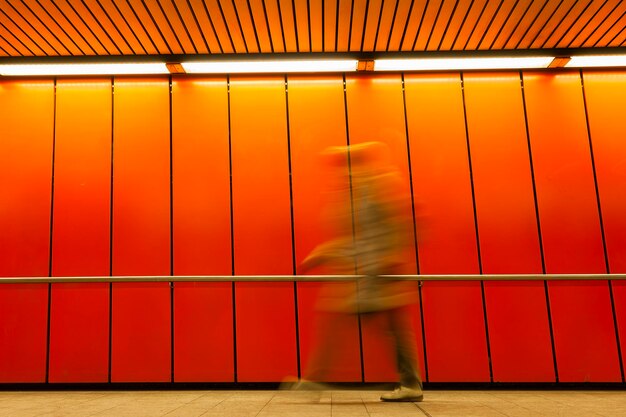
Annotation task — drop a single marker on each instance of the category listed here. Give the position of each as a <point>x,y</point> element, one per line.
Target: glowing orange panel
<point>582,319</point>
<point>375,109</point>
<point>265,312</point>
<point>311,132</point>
<point>604,93</point>
<point>203,322</point>
<point>26,117</point>
<point>79,328</point>
<point>141,346</point>
<point>454,327</point>
<point>508,230</point>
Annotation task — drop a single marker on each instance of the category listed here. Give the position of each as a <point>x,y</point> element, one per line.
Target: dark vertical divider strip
<point>293,236</point>
<point>543,260</point>
<point>345,105</point>
<point>54,132</point>
<point>606,254</point>
<point>171,229</point>
<point>232,231</point>
<point>111,228</point>
<point>417,262</point>
<point>480,262</point>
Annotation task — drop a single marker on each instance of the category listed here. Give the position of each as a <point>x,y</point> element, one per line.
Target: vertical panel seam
<point>48,318</point>
<point>540,235</point>
<point>232,232</point>
<point>111,232</point>
<point>415,240</point>
<point>293,237</point>
<point>602,230</point>
<point>480,263</point>
<point>345,105</point>
<point>171,284</point>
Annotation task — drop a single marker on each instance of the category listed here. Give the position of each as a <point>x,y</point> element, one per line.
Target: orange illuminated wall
<point>508,172</point>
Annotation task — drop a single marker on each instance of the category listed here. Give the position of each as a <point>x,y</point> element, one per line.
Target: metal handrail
<point>310,278</point>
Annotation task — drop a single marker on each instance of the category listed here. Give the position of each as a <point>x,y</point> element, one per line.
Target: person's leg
<point>406,357</point>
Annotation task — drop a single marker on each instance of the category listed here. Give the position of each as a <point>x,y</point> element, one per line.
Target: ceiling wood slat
<point>483,24</point>
<point>385,25</point>
<point>357,24</point>
<point>57,30</point>
<point>330,25</point>
<point>524,24</point>
<point>16,31</point>
<point>181,31</point>
<point>93,39</point>
<point>412,26</point>
<point>216,17</point>
<point>288,21</point>
<point>46,28</point>
<point>566,23</point>
<point>372,25</point>
<point>163,27</point>
<point>457,21</point>
<point>442,24</point>
<point>538,24</point>
<point>605,25</point>
<point>67,25</point>
<point>400,23</point>
<point>275,22</point>
<point>244,20</point>
<point>469,25</point>
<point>301,13</point>
<point>584,21</point>
<point>193,27</point>
<point>259,16</point>
<point>129,23</point>
<point>613,32</point>
<point>316,19</point>
<point>344,20</point>
<point>551,25</point>
<point>500,23</point>
<point>40,28</point>
<point>144,21</point>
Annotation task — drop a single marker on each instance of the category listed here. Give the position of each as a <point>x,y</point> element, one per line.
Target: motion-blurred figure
<point>382,224</point>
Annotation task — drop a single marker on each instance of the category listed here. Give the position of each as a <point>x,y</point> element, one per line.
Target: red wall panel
<point>375,108</point>
<point>203,312</point>
<point>265,312</point>
<point>454,326</point>
<point>26,117</point>
<point>507,226</point>
<point>605,93</point>
<point>584,331</point>
<point>311,132</point>
<point>141,335</point>
<point>79,327</point>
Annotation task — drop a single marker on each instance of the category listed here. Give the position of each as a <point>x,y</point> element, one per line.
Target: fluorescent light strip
<point>84,69</point>
<point>597,61</point>
<point>438,64</point>
<point>277,66</point>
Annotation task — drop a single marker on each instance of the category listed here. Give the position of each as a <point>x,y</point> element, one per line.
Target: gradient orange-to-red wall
<point>510,173</point>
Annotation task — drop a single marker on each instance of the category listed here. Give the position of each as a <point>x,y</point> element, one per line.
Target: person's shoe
<point>404,394</point>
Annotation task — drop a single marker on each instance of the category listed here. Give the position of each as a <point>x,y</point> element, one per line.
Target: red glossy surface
<point>454,325</point>
<point>507,226</point>
<point>265,312</point>
<point>582,319</point>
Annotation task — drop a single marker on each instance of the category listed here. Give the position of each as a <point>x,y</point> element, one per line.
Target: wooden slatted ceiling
<point>163,27</point>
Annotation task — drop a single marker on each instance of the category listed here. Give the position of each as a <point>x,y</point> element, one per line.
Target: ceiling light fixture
<point>84,69</point>
<point>597,61</point>
<point>474,63</point>
<point>275,66</point>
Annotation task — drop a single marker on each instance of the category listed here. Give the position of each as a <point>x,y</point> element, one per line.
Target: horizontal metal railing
<point>310,278</point>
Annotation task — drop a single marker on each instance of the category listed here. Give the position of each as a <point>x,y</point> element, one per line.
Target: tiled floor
<point>311,404</point>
